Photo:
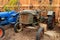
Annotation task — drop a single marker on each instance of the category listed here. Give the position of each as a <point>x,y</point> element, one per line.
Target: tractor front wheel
<point>50,23</point>
<point>17,27</point>
<point>40,34</point>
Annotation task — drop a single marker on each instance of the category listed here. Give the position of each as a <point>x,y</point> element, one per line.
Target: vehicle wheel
<point>50,23</point>
<point>17,27</point>
<point>40,34</point>
<point>2,32</point>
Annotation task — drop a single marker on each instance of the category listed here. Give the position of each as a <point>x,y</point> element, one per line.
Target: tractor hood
<point>8,14</point>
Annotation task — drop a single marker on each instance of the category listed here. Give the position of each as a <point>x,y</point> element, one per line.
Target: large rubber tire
<point>39,34</point>
<point>2,32</point>
<point>17,27</point>
<point>50,23</point>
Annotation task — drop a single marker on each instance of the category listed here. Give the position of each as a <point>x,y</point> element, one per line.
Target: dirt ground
<point>28,34</point>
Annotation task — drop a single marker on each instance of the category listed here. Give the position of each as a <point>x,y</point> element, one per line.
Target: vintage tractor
<point>7,18</point>
<point>29,19</point>
<point>32,19</point>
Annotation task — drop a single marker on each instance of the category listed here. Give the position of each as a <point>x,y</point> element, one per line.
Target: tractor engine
<point>8,17</point>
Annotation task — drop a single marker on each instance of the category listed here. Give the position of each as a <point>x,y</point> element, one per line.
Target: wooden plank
<point>24,2</point>
<point>56,8</point>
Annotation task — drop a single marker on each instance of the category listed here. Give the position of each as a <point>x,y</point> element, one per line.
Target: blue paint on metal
<point>8,17</point>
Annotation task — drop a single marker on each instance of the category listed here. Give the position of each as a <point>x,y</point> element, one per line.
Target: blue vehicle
<point>7,18</point>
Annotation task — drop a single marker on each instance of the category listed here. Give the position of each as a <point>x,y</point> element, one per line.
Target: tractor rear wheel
<point>2,32</point>
<point>40,34</point>
<point>17,27</point>
<point>50,23</point>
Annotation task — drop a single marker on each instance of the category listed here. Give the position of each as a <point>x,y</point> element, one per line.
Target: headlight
<point>2,19</point>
